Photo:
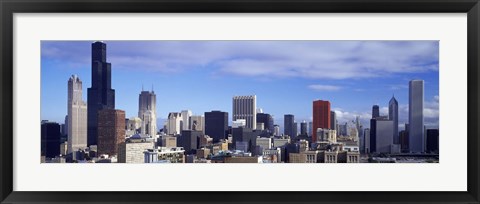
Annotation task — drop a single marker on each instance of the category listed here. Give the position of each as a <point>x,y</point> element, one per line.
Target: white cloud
<point>319,87</point>
<point>304,59</point>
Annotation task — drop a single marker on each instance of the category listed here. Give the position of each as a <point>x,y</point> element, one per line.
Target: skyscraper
<point>288,125</point>
<point>100,95</point>
<point>303,128</point>
<point>267,121</point>
<point>147,103</point>
<point>186,119</point>
<point>393,116</point>
<point>321,116</point>
<point>333,120</point>
<point>111,131</point>
<point>415,116</point>
<point>375,111</point>
<point>216,125</point>
<point>50,139</point>
<point>245,107</point>
<point>77,116</point>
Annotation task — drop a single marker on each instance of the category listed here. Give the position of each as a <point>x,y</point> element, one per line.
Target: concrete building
<point>197,122</point>
<point>216,125</point>
<point>393,116</point>
<point>321,116</point>
<point>134,125</point>
<point>165,155</point>
<point>147,111</point>
<point>131,151</point>
<point>264,142</point>
<point>111,131</point>
<point>245,107</point>
<point>174,123</point>
<point>279,142</point>
<point>100,94</point>
<point>186,114</point>
<point>77,116</point>
<point>276,130</point>
<point>415,116</point>
<point>274,155</point>
<point>168,141</point>
<point>239,123</point>
<point>326,135</point>
<point>289,125</point>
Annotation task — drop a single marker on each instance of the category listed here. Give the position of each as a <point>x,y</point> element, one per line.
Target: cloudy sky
<point>286,76</point>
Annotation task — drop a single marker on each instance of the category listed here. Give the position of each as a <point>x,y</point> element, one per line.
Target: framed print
<point>256,102</point>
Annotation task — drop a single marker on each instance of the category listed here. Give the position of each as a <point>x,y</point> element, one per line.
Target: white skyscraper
<point>415,116</point>
<point>245,107</point>
<point>147,112</point>
<point>77,116</point>
<point>174,123</point>
<point>186,119</point>
<point>197,122</point>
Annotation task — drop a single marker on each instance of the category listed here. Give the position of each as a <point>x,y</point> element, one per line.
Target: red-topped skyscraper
<point>321,117</point>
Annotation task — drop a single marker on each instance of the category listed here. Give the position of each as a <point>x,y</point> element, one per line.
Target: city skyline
<point>231,67</point>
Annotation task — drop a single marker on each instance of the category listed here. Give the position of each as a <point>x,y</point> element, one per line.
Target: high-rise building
<point>267,121</point>
<point>245,107</point>
<point>276,130</point>
<point>100,95</point>
<point>375,111</point>
<point>147,112</point>
<point>366,135</point>
<point>393,116</point>
<point>196,122</point>
<point>333,120</point>
<point>189,140</point>
<point>432,140</point>
<point>185,119</point>
<point>216,125</point>
<point>415,116</point>
<point>174,123</point>
<point>310,129</point>
<point>321,116</point>
<point>381,135</point>
<point>50,139</point>
<point>295,129</point>
<point>111,131</point>
<point>303,128</point>
<point>77,116</point>
<point>288,125</point>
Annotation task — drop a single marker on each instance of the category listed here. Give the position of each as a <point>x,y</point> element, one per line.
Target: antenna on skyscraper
<point>142,87</point>
<point>152,88</point>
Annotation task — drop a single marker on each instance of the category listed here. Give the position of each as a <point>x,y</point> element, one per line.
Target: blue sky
<point>286,76</point>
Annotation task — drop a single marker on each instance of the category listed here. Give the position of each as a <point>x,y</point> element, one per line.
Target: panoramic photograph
<point>239,101</point>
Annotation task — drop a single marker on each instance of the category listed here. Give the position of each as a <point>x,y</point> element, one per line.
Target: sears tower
<point>100,95</point>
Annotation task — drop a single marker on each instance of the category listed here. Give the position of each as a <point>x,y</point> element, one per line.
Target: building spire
<point>142,87</point>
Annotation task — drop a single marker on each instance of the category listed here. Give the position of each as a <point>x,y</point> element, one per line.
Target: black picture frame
<point>10,7</point>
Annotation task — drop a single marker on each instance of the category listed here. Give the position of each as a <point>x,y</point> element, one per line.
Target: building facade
<point>77,116</point>
<point>147,111</point>
<point>100,94</point>
<point>415,116</point>
<point>111,131</point>
<point>245,107</point>
<point>289,125</point>
<point>216,125</point>
<point>393,116</point>
<point>321,116</point>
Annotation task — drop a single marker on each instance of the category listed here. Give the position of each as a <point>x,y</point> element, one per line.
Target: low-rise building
<point>165,155</point>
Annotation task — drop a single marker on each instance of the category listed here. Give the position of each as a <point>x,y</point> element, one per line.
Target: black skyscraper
<point>216,125</point>
<point>50,139</point>
<point>432,140</point>
<point>375,111</point>
<point>288,125</point>
<point>100,95</point>
<point>267,121</point>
